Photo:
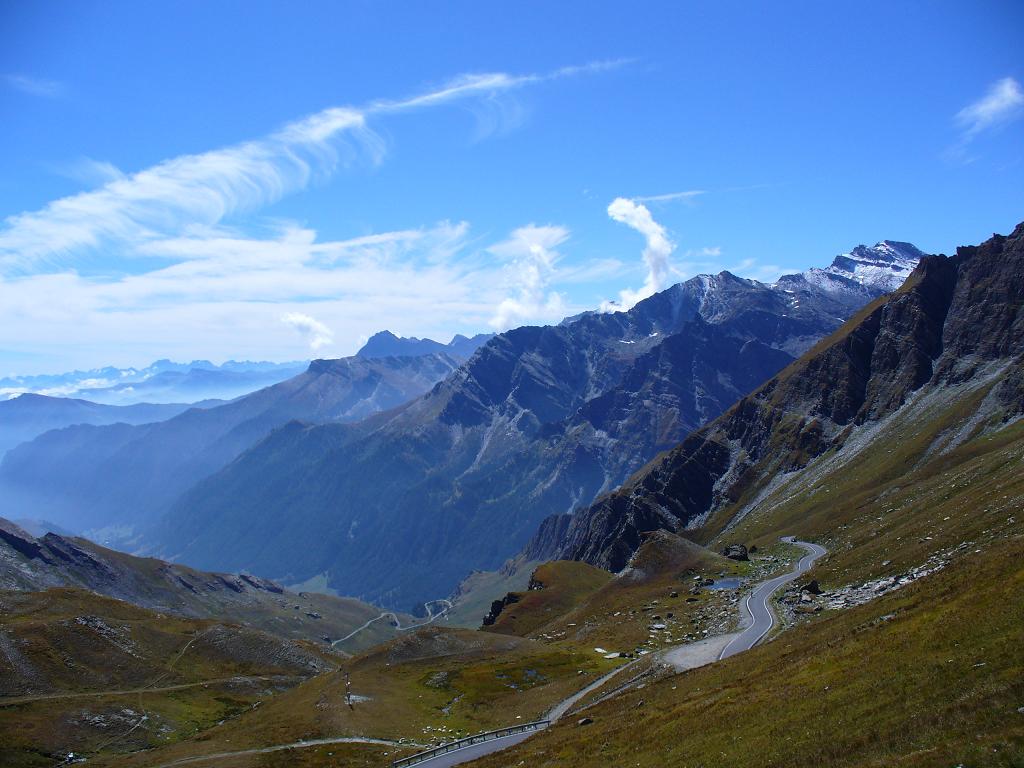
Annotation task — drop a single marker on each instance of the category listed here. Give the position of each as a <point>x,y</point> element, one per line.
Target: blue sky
<point>278,180</point>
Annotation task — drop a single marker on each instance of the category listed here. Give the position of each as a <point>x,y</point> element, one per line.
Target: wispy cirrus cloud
<point>1002,103</point>
<point>224,294</point>
<point>187,267</point>
<point>35,86</point>
<point>205,188</point>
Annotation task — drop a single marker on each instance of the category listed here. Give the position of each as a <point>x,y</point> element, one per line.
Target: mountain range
<point>117,478</point>
<point>397,508</point>
<point>894,443</point>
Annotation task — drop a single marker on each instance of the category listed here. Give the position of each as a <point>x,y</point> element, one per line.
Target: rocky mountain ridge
<point>956,326</point>
<point>387,344</point>
<point>163,381</point>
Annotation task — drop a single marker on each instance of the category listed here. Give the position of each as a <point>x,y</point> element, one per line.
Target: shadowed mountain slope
<point>91,478</point>
<point>27,416</point>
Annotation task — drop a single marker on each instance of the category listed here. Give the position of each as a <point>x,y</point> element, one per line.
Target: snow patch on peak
<point>883,266</point>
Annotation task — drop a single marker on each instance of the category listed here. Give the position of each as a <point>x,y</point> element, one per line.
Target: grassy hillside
<point>87,674</point>
<point>908,494</point>
<point>34,564</point>
<point>425,687</point>
<point>931,675</point>
<point>928,672</point>
<point>556,588</point>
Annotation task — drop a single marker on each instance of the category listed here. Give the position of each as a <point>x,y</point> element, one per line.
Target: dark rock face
<point>811,587</point>
<point>736,552</point>
<point>538,422</point>
<point>21,541</point>
<point>953,320</point>
<point>498,606</point>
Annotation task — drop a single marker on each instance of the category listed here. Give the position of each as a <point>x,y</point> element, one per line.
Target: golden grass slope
<point>88,674</point>
<point>929,676</point>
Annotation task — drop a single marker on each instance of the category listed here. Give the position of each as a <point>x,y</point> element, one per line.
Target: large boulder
<point>735,552</point>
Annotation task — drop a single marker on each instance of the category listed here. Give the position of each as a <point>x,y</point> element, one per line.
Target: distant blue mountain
<point>387,344</point>
<point>27,416</point>
<point>162,382</point>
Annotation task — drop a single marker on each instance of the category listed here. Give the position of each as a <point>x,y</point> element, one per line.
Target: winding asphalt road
<point>756,603</point>
<point>762,620</point>
<point>396,623</point>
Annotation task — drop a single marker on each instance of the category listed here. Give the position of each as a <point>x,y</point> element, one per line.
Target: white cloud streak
<point>532,256</point>
<point>656,253</point>
<point>1002,103</point>
<point>203,189</point>
<point>688,195</point>
<point>313,330</point>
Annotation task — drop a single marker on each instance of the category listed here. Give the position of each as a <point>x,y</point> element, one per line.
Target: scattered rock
<point>584,721</point>
<point>439,680</point>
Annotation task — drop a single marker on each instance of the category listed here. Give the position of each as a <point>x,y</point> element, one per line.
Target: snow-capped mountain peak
<point>883,266</point>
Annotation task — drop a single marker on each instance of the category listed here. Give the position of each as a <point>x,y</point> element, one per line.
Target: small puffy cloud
<point>531,252</point>
<point>313,330</point>
<point>656,252</point>
<point>1002,103</point>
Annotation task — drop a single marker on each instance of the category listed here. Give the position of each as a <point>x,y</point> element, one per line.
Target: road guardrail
<point>453,746</point>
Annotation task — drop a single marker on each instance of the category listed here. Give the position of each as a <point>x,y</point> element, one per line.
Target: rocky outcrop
<point>736,552</point>
<point>498,606</point>
<point>29,564</point>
